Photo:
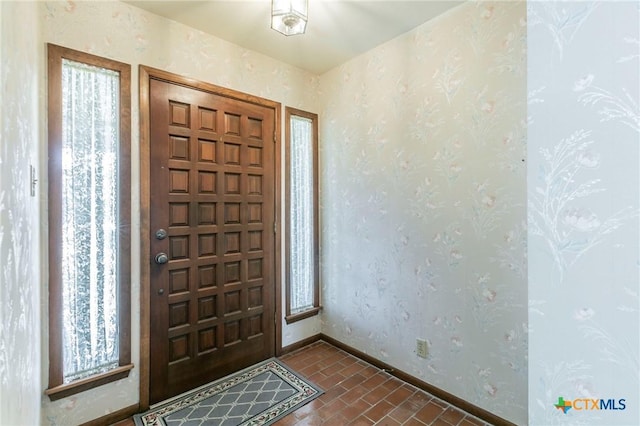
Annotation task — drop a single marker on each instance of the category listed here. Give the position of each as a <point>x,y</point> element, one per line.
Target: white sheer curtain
<point>90,216</point>
<point>301,240</point>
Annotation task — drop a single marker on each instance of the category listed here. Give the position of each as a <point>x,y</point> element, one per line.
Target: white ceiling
<point>338,30</point>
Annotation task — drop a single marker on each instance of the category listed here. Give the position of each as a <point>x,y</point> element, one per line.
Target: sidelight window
<point>89,210</point>
<point>302,283</point>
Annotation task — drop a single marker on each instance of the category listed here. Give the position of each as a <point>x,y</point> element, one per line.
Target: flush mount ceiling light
<point>289,17</point>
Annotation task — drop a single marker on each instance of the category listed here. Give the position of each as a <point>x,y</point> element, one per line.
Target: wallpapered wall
<point>583,204</point>
<point>128,34</point>
<point>423,204</point>
<point>19,221</point>
<point>423,197</point>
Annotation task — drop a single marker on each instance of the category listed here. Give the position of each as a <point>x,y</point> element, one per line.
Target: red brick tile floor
<point>358,394</point>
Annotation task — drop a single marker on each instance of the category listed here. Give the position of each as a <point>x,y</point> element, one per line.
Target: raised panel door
<point>212,191</point>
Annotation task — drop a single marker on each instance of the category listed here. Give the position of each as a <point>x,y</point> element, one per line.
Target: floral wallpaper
<point>423,192</point>
<point>583,204</point>
<point>480,189</point>
<point>129,34</point>
<point>19,221</point>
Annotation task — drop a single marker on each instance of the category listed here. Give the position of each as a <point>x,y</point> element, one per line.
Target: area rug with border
<point>256,396</point>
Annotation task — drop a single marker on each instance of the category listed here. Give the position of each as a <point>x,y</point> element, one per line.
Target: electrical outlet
<point>421,348</point>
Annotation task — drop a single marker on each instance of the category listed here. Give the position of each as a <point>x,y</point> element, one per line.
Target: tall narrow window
<point>302,283</point>
<point>89,226</point>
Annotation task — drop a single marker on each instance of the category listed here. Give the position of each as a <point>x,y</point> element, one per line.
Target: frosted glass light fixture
<point>289,17</point>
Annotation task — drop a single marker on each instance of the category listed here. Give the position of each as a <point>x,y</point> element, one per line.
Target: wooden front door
<point>212,189</point>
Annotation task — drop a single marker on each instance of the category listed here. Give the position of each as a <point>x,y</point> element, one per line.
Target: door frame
<point>146,74</point>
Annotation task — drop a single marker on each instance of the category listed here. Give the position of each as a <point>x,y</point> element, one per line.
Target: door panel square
<point>232,183</point>
<point>206,340</point>
<point>255,269</point>
<point>178,348</point>
<point>178,281</point>
<point>206,151</point>
<point>207,276</point>
<point>232,213</point>
<point>206,308</point>
<point>255,240</point>
<point>179,148</point>
<point>207,119</point>
<point>255,185</point>
<point>178,314</point>
<point>231,272</point>
<point>231,332</point>
<point>206,182</point>
<point>255,212</point>
<point>255,326</point>
<point>231,124</point>
<point>255,128</point>
<point>178,181</point>
<point>255,297</point>
<point>232,302</point>
<point>178,214</point>
<point>206,245</point>
<point>232,242</point>
<point>179,247</point>
<point>231,154</point>
<point>179,114</point>
<point>206,213</point>
<point>255,156</point>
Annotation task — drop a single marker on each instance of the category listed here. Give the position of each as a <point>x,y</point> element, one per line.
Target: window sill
<point>302,315</point>
<point>62,391</point>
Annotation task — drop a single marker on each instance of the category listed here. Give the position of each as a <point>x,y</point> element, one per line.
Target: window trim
<point>289,317</point>
<point>56,388</point>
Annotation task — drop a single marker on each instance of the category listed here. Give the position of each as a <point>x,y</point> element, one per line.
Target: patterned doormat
<point>256,396</point>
